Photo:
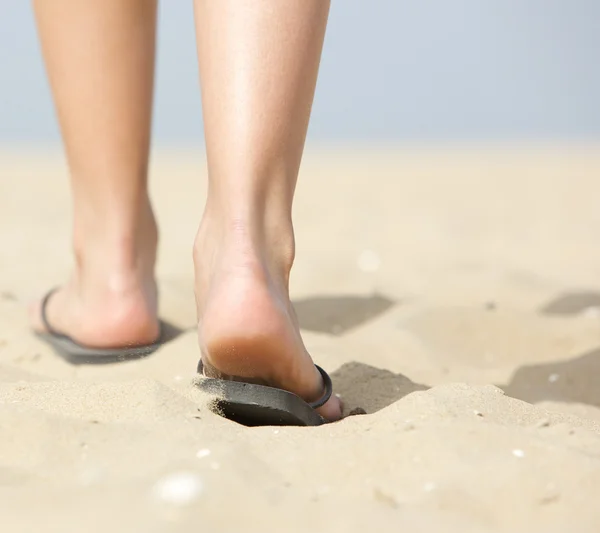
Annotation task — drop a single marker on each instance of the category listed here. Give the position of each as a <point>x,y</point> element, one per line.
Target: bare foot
<point>247,325</point>
<point>110,300</point>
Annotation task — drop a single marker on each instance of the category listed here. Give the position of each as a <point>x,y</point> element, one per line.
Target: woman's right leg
<point>100,60</point>
<point>258,67</point>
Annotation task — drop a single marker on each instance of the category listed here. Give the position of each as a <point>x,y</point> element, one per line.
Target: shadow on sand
<point>572,380</point>
<point>572,303</point>
<point>336,315</point>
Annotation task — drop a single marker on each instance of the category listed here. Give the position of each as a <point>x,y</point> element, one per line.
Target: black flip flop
<point>252,404</point>
<point>77,354</point>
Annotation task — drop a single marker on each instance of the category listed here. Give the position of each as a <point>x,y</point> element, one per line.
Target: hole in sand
<point>369,388</point>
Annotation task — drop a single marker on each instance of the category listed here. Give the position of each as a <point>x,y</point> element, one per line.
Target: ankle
<point>117,252</point>
<point>252,241</point>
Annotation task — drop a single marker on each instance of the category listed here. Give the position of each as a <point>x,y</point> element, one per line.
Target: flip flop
<point>78,354</point>
<point>253,404</point>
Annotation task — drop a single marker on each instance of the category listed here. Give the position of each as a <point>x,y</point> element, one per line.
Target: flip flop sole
<point>257,405</point>
<point>77,354</point>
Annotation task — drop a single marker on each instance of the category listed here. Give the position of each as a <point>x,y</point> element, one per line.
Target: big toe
<point>332,410</point>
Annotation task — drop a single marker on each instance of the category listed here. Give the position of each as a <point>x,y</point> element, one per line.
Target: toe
<point>332,410</point>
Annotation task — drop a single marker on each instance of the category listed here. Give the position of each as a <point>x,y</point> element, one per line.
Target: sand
<point>454,295</point>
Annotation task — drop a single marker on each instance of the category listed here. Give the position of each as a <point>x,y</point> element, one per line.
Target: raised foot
<point>248,329</point>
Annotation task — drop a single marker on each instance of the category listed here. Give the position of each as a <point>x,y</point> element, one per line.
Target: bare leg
<point>258,66</point>
<point>100,61</point>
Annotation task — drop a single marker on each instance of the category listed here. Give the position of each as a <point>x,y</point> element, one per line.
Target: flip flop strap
<point>328,389</point>
<point>43,311</point>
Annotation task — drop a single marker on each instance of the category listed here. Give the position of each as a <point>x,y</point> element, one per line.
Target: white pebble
<point>178,378</point>
<point>181,488</point>
<point>518,453</point>
<point>275,431</point>
<point>204,452</point>
<point>553,378</point>
<point>369,261</point>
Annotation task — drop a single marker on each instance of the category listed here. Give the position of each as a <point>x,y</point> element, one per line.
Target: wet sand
<point>452,293</point>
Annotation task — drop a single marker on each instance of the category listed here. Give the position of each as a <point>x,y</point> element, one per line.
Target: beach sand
<point>454,295</point>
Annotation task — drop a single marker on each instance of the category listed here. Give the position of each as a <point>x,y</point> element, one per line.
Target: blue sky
<point>426,70</point>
